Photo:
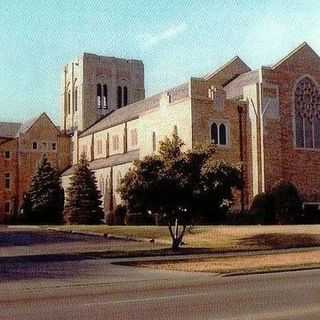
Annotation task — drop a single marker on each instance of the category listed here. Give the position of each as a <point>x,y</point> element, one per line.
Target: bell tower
<point>92,86</point>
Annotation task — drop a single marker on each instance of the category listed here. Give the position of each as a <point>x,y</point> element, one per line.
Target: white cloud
<point>149,40</point>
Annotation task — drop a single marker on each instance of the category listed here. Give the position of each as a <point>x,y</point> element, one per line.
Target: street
<point>88,287</point>
<point>96,289</point>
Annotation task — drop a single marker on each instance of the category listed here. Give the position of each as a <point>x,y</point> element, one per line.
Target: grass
<point>219,238</point>
<point>244,264</point>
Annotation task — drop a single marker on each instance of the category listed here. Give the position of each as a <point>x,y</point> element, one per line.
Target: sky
<point>176,39</point>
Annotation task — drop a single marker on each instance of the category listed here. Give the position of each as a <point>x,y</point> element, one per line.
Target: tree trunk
<point>175,236</point>
<point>176,244</point>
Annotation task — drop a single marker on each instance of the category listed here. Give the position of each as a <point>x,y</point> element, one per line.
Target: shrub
<point>287,203</point>
<point>261,210</point>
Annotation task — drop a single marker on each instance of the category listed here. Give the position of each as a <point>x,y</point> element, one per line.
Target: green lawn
<point>219,238</point>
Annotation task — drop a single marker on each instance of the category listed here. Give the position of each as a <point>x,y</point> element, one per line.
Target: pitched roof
<point>113,160</point>
<point>134,110</point>
<point>303,45</point>
<point>234,89</point>
<point>9,129</point>
<point>13,129</point>
<point>235,62</point>
<point>27,125</point>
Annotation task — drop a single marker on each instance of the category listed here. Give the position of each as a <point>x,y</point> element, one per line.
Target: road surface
<point>97,289</point>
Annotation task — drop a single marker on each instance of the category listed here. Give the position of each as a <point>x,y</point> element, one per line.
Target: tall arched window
<point>99,96</point>
<point>125,96</point>
<point>76,99</point>
<point>105,96</point>
<point>307,114</point>
<point>214,133</point>
<point>119,97</point>
<point>154,142</point>
<point>69,101</point>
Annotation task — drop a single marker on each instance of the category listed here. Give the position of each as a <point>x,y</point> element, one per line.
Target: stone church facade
<point>267,120</point>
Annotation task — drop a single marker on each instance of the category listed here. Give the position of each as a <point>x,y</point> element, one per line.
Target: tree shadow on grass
<point>280,241</point>
<point>29,238</point>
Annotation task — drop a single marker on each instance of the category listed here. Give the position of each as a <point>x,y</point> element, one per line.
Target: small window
<point>84,150</point>
<point>115,143</point>
<point>219,133</point>
<point>54,146</point>
<point>154,142</point>
<point>7,155</point>
<point>222,134</point>
<point>69,102</point>
<point>7,181</point>
<point>34,145</point>
<point>214,133</point>
<point>134,137</point>
<point>119,97</point>
<point>76,99</point>
<point>7,207</point>
<point>99,146</point>
<point>99,106</point>
<point>105,96</point>
<point>125,96</point>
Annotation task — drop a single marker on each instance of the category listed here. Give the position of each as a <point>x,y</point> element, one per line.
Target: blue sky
<point>175,39</point>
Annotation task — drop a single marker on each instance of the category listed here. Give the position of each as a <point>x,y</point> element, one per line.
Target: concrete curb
<point>111,236</point>
<point>249,273</point>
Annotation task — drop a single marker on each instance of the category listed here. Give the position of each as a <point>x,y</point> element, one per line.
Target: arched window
<point>119,97</point>
<point>125,96</point>
<point>69,101</point>
<point>307,114</point>
<point>76,99</point>
<point>222,134</point>
<point>99,96</point>
<point>214,133</point>
<point>105,96</point>
<point>219,133</point>
<point>154,141</point>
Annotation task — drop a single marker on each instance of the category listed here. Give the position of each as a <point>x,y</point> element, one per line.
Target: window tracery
<point>307,114</point>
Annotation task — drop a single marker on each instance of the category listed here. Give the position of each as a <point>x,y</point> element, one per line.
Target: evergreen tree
<point>83,205</point>
<point>45,198</point>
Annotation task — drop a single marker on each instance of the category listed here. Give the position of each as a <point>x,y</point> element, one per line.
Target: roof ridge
<point>292,53</point>
<point>229,62</point>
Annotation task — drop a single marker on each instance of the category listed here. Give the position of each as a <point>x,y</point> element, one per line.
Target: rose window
<point>307,114</point>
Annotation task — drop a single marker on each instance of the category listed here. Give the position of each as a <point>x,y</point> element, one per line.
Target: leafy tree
<point>178,186</point>
<point>43,204</point>
<point>83,205</point>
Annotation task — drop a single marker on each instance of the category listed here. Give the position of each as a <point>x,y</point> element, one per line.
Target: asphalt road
<point>96,289</point>
<point>101,289</point>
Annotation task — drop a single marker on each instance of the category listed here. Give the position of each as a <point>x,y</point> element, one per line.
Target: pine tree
<point>83,204</point>
<point>45,196</point>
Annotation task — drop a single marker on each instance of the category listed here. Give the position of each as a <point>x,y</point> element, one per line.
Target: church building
<point>267,120</point>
